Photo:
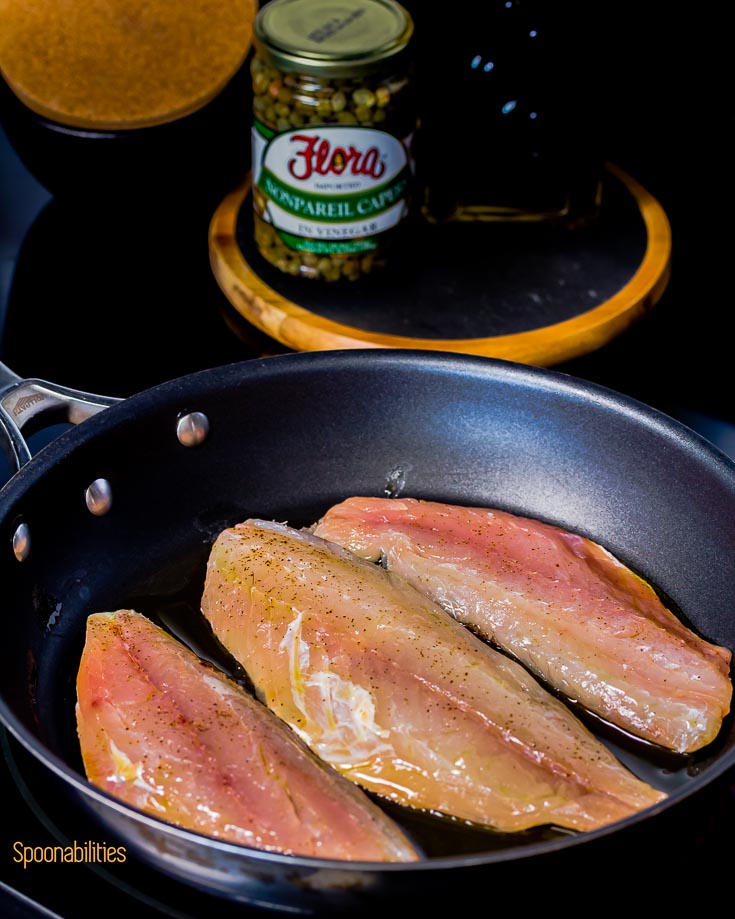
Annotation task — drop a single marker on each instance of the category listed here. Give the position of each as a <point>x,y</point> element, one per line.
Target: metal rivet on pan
<point>192,429</point>
<point>99,497</point>
<point>22,542</point>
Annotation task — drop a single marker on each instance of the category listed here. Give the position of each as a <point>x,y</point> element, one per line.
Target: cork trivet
<point>111,64</point>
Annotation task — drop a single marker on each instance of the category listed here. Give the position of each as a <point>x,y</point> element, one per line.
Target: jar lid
<point>332,37</point>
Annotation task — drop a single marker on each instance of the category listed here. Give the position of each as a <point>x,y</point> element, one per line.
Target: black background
<point>113,292</point>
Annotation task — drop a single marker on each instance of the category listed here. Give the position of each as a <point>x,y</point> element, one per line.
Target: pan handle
<point>34,405</point>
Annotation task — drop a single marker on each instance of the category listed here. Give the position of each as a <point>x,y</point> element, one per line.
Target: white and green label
<point>331,188</point>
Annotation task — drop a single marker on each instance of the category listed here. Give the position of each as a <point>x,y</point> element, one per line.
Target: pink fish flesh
<point>172,736</point>
<point>398,696</point>
<point>560,603</point>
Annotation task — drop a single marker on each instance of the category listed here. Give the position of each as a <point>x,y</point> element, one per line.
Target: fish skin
<point>584,623</point>
<point>172,736</point>
<point>399,696</point>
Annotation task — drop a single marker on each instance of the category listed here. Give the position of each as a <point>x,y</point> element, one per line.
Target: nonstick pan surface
<point>286,437</point>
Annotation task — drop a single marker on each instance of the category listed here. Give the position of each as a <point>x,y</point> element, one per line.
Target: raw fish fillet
<point>171,735</point>
<point>561,604</point>
<point>397,695</point>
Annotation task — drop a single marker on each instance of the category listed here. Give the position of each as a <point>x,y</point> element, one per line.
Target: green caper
<point>260,82</point>
<point>363,97</point>
<point>338,101</point>
<point>382,96</point>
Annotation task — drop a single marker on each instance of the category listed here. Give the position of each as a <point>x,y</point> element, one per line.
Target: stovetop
<point>30,882</point>
<point>113,296</point>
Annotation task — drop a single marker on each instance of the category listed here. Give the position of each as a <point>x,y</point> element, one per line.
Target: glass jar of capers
<point>334,117</point>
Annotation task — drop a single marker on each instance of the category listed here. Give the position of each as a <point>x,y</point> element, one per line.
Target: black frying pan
<point>284,437</point>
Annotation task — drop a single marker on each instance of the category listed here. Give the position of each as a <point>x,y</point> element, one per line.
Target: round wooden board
<point>534,293</point>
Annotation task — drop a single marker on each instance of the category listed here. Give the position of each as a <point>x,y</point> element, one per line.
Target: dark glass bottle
<point>508,110</point>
